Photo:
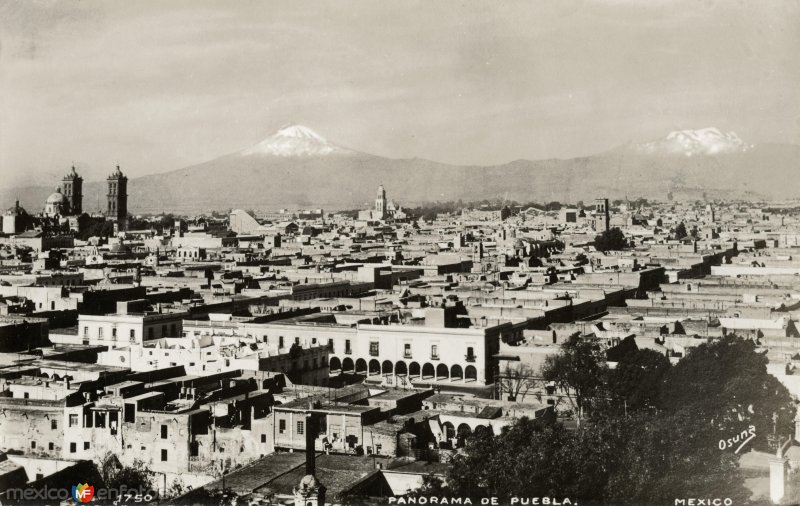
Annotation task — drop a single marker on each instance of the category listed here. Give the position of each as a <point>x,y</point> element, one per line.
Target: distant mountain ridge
<point>298,167</point>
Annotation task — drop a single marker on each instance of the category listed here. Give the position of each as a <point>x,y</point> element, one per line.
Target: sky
<point>159,85</point>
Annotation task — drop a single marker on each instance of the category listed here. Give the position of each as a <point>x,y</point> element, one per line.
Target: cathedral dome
<point>57,197</point>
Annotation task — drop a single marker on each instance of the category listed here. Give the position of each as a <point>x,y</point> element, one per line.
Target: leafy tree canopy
<point>611,240</point>
<point>662,446</point>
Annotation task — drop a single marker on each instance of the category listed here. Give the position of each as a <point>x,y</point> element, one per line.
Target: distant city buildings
<point>258,348</point>
<point>64,206</point>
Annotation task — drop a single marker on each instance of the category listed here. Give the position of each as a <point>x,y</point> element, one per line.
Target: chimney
<point>311,437</point>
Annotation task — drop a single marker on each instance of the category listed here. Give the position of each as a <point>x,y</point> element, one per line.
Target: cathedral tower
<point>72,188</point>
<point>117,198</point>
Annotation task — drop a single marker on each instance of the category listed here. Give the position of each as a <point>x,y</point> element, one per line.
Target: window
<point>163,455</point>
<point>73,420</point>
<point>470,354</point>
<point>313,340</point>
<point>53,424</point>
<point>373,348</point>
<point>129,413</point>
<point>301,427</point>
<point>51,446</point>
<point>163,432</point>
<point>263,438</point>
<point>378,449</point>
<point>347,349</point>
<point>86,445</point>
<point>280,341</point>
<point>52,306</point>
<point>297,340</point>
<point>434,351</point>
<point>73,447</point>
<point>113,332</point>
<point>100,333</point>
<point>407,350</point>
<point>33,444</point>
<point>282,426</point>
<point>85,331</point>
<point>133,334</point>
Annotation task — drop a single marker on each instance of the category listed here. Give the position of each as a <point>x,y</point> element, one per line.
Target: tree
<point>725,384</point>
<point>115,475</point>
<point>611,239</point>
<point>636,379</point>
<point>531,459</point>
<point>669,456</point>
<point>680,231</point>
<point>432,485</point>
<point>665,446</point>
<point>517,462</point>
<point>517,381</point>
<point>579,371</point>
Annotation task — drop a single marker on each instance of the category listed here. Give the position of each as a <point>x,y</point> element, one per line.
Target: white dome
<point>56,198</point>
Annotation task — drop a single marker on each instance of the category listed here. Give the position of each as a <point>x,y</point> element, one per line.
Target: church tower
<point>380,203</point>
<point>72,188</point>
<point>117,198</point>
<point>602,219</point>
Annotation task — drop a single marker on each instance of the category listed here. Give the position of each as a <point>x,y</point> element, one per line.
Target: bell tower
<point>601,215</point>
<point>380,203</point>
<point>72,188</point>
<point>117,209</point>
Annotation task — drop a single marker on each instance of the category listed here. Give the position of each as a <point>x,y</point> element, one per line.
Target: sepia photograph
<point>360,252</point>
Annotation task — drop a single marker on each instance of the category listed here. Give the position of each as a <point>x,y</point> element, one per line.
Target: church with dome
<point>64,206</point>
<point>384,209</point>
<point>67,200</point>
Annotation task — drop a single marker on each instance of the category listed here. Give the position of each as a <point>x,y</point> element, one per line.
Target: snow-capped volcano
<point>706,141</point>
<point>294,140</point>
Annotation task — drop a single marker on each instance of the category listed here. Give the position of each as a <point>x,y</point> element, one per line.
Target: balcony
<point>435,357</point>
<point>407,354</point>
<point>373,353</point>
<point>470,358</point>
<point>348,351</point>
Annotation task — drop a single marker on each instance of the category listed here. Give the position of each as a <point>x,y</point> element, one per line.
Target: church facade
<point>384,209</point>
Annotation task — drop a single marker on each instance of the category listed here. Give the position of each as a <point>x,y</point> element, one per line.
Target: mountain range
<point>297,167</point>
